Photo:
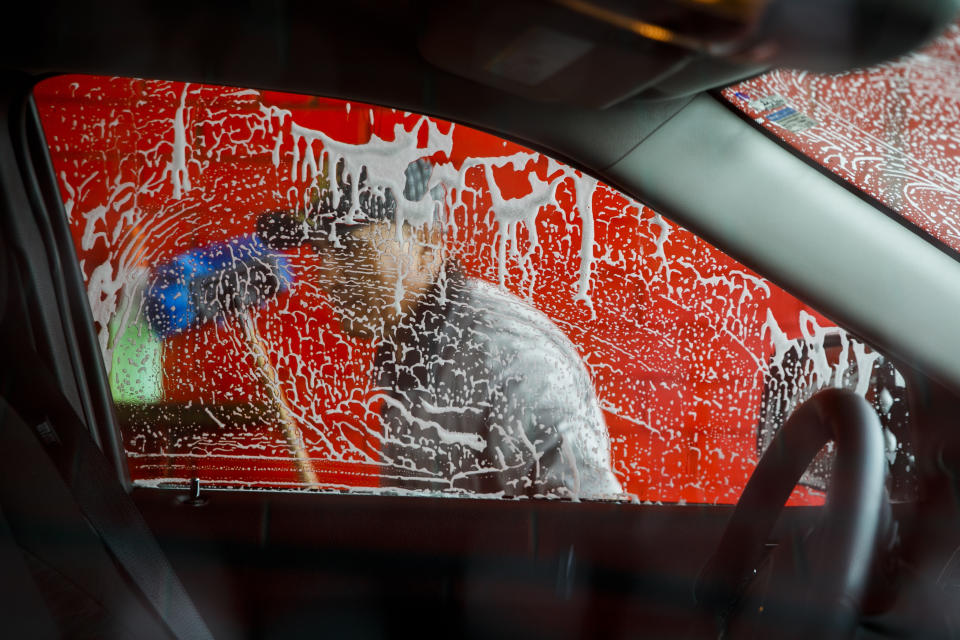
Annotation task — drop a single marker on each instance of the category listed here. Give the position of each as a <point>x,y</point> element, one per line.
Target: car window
<point>294,292</point>
<point>890,130</point>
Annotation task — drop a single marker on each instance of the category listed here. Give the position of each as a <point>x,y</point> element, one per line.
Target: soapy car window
<point>306,293</point>
<point>892,130</point>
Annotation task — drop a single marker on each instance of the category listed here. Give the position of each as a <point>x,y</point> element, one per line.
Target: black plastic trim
<point>91,374</point>
<point>55,302</point>
<point>34,284</point>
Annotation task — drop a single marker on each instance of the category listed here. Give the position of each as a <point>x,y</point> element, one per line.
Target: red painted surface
<point>674,343</point>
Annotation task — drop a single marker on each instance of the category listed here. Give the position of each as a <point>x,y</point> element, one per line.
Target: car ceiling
<point>435,57</point>
<point>647,128</point>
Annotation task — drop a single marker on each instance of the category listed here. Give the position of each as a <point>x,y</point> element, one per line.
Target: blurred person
<point>481,392</point>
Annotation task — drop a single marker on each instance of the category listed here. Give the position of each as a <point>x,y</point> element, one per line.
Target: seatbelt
<point>32,390</point>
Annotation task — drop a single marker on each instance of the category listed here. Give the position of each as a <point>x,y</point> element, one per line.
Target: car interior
<point>629,93</point>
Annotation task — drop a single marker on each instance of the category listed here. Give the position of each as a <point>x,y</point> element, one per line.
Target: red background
<point>674,344</point>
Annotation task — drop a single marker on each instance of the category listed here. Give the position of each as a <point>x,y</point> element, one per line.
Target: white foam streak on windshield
<point>585,192</point>
<point>178,165</point>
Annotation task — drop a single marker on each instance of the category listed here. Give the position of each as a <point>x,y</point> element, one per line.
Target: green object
<point>136,366</point>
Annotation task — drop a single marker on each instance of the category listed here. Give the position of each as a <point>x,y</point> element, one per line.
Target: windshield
<point>893,130</point>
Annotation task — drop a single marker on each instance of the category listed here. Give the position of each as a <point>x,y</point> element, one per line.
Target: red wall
<point>674,344</point>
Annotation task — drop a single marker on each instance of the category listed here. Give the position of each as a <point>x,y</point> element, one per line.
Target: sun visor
<point>597,53</point>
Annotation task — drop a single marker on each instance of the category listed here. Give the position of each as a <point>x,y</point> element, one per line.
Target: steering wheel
<point>831,571</point>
